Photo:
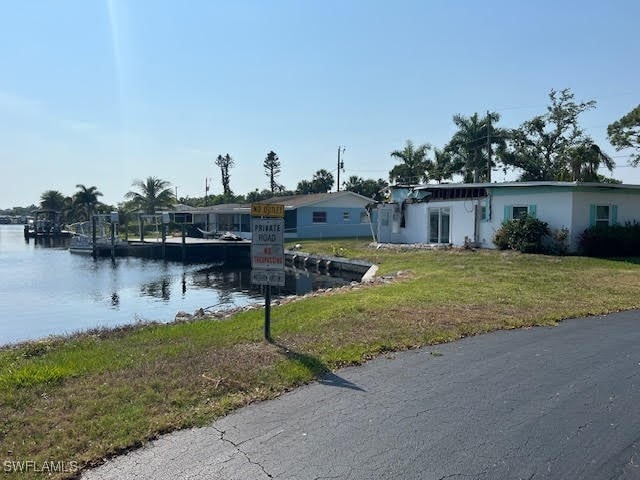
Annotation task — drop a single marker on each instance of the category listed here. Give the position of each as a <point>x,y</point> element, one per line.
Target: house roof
<point>295,201</point>
<point>524,185</point>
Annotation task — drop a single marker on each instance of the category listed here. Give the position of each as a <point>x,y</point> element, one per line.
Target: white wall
<point>462,215</point>
<point>628,208</point>
<point>553,207</point>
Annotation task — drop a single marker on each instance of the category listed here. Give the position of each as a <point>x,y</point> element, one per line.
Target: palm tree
<point>52,200</point>
<point>87,198</point>
<point>468,145</point>
<point>414,166</point>
<point>443,167</point>
<point>154,194</point>
<point>584,162</point>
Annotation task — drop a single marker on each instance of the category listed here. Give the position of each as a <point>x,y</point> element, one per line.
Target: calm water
<point>46,290</point>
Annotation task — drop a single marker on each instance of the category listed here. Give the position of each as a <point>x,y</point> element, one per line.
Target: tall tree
<point>225,163</point>
<point>87,198</point>
<point>545,147</point>
<point>442,167</point>
<point>153,194</point>
<point>414,164</point>
<point>470,145</point>
<point>625,133</point>
<point>584,162</point>
<point>272,169</point>
<point>52,200</point>
<point>321,182</point>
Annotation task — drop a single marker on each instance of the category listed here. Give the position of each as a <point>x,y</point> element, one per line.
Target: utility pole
<point>340,164</point>
<point>206,190</point>
<point>488,147</point>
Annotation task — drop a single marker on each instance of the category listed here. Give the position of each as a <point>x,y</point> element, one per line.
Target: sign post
<point>267,252</point>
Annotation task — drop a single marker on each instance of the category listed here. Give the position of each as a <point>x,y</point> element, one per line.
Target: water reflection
<point>54,292</point>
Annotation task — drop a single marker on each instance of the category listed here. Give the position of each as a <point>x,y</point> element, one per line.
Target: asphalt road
<point>541,403</point>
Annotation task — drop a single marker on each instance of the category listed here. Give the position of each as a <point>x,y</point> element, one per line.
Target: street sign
<point>275,210</point>
<point>267,257</point>
<point>267,253</point>
<point>268,277</point>
<point>267,231</point>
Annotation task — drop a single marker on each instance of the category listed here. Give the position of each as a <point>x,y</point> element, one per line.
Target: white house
<point>471,213</point>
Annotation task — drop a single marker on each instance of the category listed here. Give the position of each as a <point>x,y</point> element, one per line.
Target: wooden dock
<point>188,250</point>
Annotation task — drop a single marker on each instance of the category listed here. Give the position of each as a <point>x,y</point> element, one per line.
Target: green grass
<point>85,398</point>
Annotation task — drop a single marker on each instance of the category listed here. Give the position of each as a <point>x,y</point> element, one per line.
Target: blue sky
<point>104,92</point>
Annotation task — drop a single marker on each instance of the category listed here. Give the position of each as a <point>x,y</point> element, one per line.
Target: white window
<point>319,217</point>
<point>346,216</point>
<point>603,215</point>
<point>519,211</point>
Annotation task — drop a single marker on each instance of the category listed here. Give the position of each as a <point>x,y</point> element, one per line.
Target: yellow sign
<point>267,210</point>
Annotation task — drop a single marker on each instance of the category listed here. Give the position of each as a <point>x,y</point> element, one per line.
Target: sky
<point>104,92</point>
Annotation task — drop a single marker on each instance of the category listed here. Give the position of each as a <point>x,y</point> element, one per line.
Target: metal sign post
<point>267,253</point>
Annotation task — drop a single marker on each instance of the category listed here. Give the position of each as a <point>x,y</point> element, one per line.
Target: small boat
<point>81,241</point>
<point>46,223</point>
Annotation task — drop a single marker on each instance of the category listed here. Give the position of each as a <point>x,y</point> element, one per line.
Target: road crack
<point>242,452</point>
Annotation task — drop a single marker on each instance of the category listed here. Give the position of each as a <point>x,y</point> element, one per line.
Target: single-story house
<point>318,215</point>
<point>459,214</point>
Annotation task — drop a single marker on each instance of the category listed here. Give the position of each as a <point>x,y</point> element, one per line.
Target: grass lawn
<point>88,397</point>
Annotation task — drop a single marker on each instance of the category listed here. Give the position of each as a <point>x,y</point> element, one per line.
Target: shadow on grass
<point>318,368</point>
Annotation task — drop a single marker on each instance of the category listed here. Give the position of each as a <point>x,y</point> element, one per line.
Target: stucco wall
<point>553,206</point>
<point>627,205</point>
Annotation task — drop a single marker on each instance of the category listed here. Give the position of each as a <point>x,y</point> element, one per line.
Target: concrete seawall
<point>334,265</point>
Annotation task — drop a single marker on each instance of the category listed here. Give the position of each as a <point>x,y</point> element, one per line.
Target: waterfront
<point>45,290</point>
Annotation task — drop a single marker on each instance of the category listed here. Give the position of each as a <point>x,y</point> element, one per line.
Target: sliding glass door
<point>439,223</point>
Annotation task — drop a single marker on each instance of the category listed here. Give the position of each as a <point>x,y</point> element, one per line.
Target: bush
<point>611,241</point>
<point>525,234</point>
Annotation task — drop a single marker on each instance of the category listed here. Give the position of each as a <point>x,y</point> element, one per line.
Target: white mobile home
<point>455,214</point>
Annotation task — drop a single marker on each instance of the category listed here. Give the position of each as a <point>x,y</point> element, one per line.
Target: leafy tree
<point>546,147</point>
<point>87,198</point>
<point>52,200</point>
<point>414,164</point>
<point>321,182</point>
<point>625,133</point>
<point>369,188</point>
<point>225,163</point>
<point>468,146</point>
<point>153,194</point>
<point>272,169</point>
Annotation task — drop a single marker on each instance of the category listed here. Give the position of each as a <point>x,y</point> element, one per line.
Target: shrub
<point>611,241</point>
<point>525,234</point>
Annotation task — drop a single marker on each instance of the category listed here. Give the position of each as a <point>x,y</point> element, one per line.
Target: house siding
<point>335,225</point>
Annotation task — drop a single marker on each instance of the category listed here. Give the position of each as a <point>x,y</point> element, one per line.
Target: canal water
<point>45,290</point>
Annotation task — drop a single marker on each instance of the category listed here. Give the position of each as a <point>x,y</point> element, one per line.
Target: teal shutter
<point>614,214</point>
<point>533,210</point>
<point>508,212</point>
<point>592,215</point>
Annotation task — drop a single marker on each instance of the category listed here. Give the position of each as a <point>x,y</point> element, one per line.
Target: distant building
<point>320,215</point>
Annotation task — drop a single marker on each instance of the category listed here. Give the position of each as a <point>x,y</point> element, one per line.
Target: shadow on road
<point>318,368</point>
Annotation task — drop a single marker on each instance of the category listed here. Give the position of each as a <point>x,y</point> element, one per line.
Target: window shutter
<point>592,215</point>
<point>508,212</point>
<point>533,210</point>
<point>614,215</point>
